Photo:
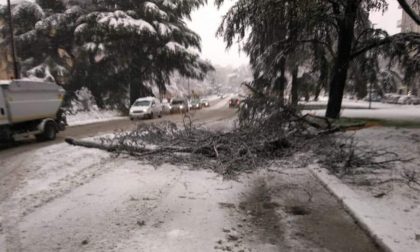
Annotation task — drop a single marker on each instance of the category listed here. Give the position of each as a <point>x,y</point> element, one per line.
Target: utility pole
<point>12,41</point>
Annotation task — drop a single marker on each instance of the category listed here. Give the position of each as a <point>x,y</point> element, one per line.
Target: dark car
<point>234,103</point>
<point>205,103</point>
<point>195,104</point>
<point>179,105</point>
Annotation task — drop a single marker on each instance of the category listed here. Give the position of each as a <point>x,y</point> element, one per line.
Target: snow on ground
<point>94,116</point>
<point>119,204</point>
<point>382,111</point>
<point>78,199</point>
<point>383,201</point>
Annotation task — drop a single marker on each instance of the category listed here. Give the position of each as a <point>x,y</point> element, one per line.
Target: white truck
<point>30,108</point>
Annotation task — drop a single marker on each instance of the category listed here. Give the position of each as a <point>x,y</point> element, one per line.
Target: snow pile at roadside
<point>94,116</point>
<point>383,202</point>
<point>382,111</point>
<point>355,104</point>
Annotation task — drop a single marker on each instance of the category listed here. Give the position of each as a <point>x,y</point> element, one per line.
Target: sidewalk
<point>389,212</point>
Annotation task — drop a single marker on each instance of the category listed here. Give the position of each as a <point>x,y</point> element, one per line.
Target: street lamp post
<point>12,41</point>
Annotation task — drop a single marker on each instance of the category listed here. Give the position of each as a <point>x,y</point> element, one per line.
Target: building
<point>408,24</point>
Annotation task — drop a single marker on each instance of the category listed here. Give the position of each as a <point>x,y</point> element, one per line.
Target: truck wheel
<point>49,134</point>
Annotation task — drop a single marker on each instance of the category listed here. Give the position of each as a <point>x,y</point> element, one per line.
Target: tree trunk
<point>323,78</point>
<point>360,87</point>
<point>134,92</point>
<point>295,87</point>
<point>280,82</point>
<point>341,65</point>
<point>410,11</point>
<point>307,95</point>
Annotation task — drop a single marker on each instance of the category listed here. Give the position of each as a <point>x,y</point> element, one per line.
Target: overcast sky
<point>206,20</point>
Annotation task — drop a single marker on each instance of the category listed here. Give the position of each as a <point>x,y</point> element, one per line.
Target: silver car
<point>143,108</point>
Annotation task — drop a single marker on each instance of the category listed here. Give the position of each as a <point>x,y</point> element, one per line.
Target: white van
<point>147,107</point>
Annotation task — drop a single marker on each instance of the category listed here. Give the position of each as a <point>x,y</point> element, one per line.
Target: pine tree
<point>143,42</point>
<point>112,47</point>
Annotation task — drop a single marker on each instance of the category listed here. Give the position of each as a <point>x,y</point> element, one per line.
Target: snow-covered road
<point>65,198</point>
<point>75,199</point>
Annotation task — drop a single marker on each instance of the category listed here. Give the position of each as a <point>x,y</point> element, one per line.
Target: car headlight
<point>181,107</point>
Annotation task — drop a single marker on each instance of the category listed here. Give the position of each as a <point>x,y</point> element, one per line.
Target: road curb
<point>353,204</point>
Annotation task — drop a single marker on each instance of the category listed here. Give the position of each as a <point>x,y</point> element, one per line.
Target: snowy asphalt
<point>212,114</point>
<point>55,197</point>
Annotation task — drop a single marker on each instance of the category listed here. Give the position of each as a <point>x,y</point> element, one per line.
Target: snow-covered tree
<point>142,41</point>
<point>337,25</point>
<point>112,47</point>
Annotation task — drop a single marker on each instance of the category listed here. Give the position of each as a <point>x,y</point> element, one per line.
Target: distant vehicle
<point>391,98</point>
<point>234,103</point>
<point>205,103</point>
<point>30,108</point>
<point>415,100</point>
<point>147,107</point>
<point>166,106</point>
<point>374,98</point>
<point>179,105</point>
<point>196,104</point>
<point>408,99</point>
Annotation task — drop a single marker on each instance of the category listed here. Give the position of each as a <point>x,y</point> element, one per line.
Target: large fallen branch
<point>243,148</point>
<point>264,134</point>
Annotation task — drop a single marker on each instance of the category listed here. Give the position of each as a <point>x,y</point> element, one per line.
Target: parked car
<point>234,103</point>
<point>409,99</point>
<point>147,107</point>
<point>391,98</point>
<point>404,99</point>
<point>179,105</point>
<point>374,98</point>
<point>414,100</point>
<point>196,104</point>
<point>205,103</point>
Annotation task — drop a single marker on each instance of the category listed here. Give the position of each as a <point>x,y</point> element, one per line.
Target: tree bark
<point>407,8</point>
<point>280,82</point>
<point>342,62</point>
<point>295,87</point>
<point>323,77</point>
<point>134,92</point>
